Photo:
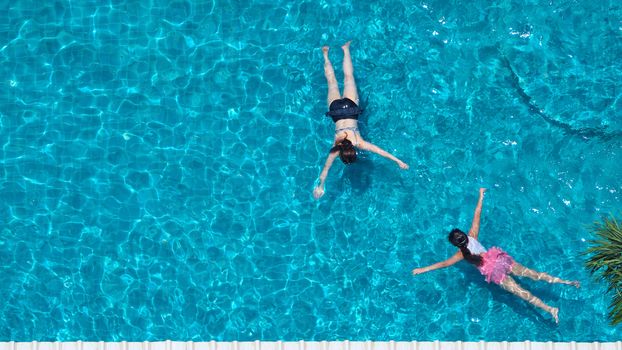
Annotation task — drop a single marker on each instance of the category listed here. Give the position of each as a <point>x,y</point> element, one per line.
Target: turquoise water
<point>158,159</point>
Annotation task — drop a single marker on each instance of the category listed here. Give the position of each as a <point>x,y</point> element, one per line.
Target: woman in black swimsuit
<point>344,111</point>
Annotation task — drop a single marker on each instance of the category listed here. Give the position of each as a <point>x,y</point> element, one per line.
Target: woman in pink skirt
<point>495,264</point>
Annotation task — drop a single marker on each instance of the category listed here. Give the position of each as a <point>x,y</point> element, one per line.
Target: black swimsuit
<point>343,108</point>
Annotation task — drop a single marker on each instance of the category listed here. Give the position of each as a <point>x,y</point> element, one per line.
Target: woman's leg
<point>329,73</point>
<point>349,85</point>
<point>511,286</point>
<point>520,270</point>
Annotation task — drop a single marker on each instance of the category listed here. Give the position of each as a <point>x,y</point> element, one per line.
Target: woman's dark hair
<point>460,240</point>
<point>347,153</point>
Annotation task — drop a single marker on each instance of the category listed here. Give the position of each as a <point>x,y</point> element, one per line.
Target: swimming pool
<point>158,159</point>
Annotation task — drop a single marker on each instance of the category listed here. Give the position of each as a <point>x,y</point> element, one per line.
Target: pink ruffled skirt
<point>496,265</point>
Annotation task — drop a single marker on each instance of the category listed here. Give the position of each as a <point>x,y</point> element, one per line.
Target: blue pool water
<point>158,159</point>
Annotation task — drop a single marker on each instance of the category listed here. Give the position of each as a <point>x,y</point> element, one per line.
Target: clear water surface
<point>158,159</point>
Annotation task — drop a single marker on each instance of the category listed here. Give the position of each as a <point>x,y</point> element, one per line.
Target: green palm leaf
<point>605,262</point>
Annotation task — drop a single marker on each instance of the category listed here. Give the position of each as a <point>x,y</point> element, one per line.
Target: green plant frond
<point>604,261</point>
<point>612,289</point>
<point>606,224</point>
<point>615,281</point>
<point>603,255</point>
<point>607,265</point>
<point>611,227</point>
<point>615,309</point>
<point>610,262</point>
<point>613,273</point>
<point>617,302</point>
<point>612,277</point>
<point>607,242</point>
<point>598,253</point>
<point>616,242</point>
<point>609,230</point>
<point>600,248</point>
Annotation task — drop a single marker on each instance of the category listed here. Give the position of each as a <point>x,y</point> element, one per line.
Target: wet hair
<point>460,240</point>
<point>347,153</point>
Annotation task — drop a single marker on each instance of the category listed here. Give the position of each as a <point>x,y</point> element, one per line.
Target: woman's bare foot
<point>577,284</point>
<point>555,313</point>
<point>346,46</point>
<point>325,50</point>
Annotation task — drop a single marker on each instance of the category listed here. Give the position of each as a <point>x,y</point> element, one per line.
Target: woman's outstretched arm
<point>319,189</point>
<point>373,148</point>
<point>439,265</point>
<point>474,230</point>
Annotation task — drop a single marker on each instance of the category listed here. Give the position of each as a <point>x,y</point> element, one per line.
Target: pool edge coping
<point>311,345</point>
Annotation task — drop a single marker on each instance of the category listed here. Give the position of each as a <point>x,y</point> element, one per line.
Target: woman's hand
<point>418,271</point>
<point>402,164</point>
<point>481,191</point>
<point>318,192</point>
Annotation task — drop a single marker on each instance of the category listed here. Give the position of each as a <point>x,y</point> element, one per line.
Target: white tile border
<point>309,345</point>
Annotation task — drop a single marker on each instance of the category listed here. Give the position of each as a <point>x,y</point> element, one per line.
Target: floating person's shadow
<point>357,177</point>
